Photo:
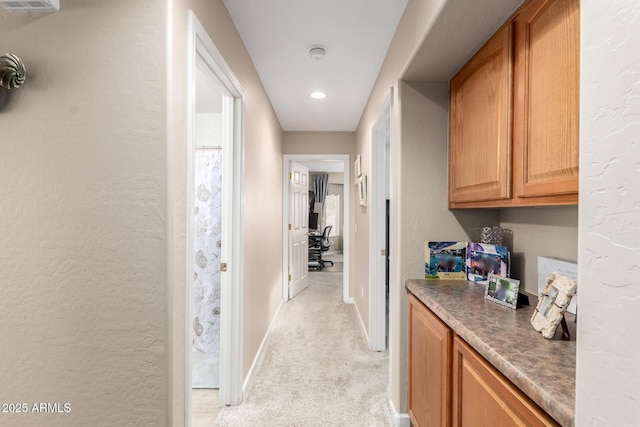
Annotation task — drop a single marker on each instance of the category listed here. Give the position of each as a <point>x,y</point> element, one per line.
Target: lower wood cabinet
<point>429,367</point>
<point>482,396</point>
<point>451,384</point>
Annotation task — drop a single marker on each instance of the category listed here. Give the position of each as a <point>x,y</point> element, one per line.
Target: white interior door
<point>298,228</point>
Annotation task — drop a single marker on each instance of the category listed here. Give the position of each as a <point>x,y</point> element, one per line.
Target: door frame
<point>377,226</point>
<point>301,158</point>
<point>202,48</point>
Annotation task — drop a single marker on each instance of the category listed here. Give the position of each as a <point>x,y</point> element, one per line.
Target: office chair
<point>317,245</point>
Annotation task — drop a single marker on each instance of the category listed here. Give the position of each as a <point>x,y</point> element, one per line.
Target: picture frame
<point>553,303</point>
<point>483,259</point>
<point>362,190</point>
<point>503,290</point>
<point>445,260</point>
<point>357,169</point>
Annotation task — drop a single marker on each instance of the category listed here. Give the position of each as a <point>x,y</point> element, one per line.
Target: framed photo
<point>357,169</point>
<point>445,260</point>
<point>552,304</point>
<point>503,290</point>
<point>362,190</point>
<point>483,259</point>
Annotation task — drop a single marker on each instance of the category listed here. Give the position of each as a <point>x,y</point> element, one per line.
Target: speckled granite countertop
<point>545,370</point>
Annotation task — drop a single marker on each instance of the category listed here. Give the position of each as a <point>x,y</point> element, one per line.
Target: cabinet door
<point>480,128</point>
<point>429,367</point>
<point>483,397</point>
<point>547,97</point>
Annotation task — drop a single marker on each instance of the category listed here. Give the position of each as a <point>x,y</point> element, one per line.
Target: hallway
<point>316,369</point>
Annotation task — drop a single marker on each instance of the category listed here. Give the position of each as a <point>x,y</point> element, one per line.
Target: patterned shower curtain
<point>207,242</point>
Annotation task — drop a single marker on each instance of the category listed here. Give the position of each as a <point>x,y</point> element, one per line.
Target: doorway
<point>315,162</point>
<point>213,227</point>
<point>379,229</point>
<point>208,221</point>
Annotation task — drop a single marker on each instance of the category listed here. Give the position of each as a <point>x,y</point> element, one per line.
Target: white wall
<point>83,297</point>
<point>608,373</point>
<point>208,130</point>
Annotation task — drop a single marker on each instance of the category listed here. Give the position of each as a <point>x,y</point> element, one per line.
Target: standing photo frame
<point>554,300</point>
<point>503,290</point>
<point>445,260</point>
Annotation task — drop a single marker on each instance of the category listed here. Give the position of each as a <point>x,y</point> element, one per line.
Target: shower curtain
<point>207,245</point>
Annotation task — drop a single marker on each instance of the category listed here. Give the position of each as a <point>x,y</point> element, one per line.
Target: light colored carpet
<point>337,259</point>
<point>337,267</point>
<point>316,369</point>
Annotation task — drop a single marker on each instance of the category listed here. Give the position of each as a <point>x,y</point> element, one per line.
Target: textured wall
<point>262,285</point>
<point>82,215</point>
<point>608,375</point>
<point>422,194</point>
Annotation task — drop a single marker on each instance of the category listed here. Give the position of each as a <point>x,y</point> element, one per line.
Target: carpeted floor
<point>316,369</point>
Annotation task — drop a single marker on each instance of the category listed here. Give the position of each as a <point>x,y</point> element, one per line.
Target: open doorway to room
<point>208,183</point>
<point>327,204</point>
<point>213,230</point>
<point>326,216</point>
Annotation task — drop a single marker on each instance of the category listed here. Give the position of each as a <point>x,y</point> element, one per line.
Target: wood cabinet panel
<point>547,105</point>
<point>429,367</point>
<point>528,153</point>
<point>483,397</point>
<point>480,123</point>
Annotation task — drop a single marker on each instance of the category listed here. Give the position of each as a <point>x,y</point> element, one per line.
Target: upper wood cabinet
<point>547,104</point>
<point>514,128</point>
<point>429,367</point>
<point>480,123</point>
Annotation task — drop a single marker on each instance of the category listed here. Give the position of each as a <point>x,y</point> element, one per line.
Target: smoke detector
<point>31,5</point>
<point>317,52</point>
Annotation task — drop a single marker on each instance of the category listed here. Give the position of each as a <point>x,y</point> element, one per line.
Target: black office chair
<point>317,245</point>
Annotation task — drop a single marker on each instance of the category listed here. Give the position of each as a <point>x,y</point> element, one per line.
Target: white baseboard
<point>399,420</point>
<point>362,328</point>
<point>256,360</point>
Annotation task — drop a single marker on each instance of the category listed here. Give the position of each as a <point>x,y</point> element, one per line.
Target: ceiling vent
<point>31,5</point>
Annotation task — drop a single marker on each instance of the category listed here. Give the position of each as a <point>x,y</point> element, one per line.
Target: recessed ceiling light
<point>318,95</point>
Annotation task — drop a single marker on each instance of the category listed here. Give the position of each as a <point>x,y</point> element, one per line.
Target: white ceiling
<point>278,35</point>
